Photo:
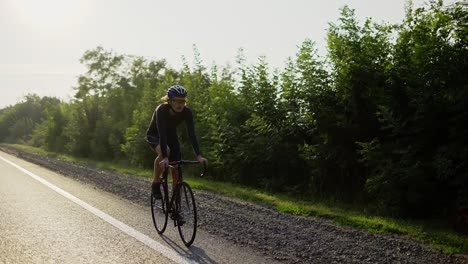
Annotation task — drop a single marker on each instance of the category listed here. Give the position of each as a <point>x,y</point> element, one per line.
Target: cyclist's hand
<point>164,163</point>
<point>202,160</point>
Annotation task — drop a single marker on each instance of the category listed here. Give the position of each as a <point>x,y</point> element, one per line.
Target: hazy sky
<point>43,40</point>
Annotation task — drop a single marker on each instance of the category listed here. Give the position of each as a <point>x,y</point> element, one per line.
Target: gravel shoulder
<point>287,238</point>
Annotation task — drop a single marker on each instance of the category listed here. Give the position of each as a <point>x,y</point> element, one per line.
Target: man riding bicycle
<point>162,134</point>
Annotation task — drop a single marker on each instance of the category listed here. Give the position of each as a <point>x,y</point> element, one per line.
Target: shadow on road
<point>193,253</point>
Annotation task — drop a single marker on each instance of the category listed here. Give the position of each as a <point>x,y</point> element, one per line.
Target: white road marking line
<point>171,254</point>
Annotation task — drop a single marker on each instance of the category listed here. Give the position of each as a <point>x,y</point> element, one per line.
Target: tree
<point>416,162</point>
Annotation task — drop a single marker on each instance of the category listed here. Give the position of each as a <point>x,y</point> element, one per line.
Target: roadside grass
<point>435,234</point>
<point>118,167</point>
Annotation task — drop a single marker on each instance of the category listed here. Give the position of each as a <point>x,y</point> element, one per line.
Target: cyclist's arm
<point>161,121</point>
<point>191,131</point>
<point>152,131</point>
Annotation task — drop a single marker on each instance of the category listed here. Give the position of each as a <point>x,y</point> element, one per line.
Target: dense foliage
<point>381,120</point>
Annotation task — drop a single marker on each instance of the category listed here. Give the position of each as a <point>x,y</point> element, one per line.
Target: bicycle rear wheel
<point>187,214</point>
<point>159,210</point>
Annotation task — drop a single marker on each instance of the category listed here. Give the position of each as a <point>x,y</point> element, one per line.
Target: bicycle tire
<point>159,210</point>
<point>188,209</point>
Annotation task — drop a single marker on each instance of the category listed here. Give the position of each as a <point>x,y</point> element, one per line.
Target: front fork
<point>174,212</point>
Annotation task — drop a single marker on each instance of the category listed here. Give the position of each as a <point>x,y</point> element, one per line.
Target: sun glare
<point>48,14</point>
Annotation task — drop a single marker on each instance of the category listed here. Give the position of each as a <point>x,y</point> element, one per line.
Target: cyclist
<point>162,134</point>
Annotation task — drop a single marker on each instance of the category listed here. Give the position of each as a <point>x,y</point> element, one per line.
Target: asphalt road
<point>46,217</point>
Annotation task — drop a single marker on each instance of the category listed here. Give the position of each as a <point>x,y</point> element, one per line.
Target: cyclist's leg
<point>157,168</point>
<point>175,155</point>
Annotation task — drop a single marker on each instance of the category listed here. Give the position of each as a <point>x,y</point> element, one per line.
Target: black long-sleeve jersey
<point>163,128</point>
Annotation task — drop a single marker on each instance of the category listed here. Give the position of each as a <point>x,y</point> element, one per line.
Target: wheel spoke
<point>187,215</point>
<point>159,211</point>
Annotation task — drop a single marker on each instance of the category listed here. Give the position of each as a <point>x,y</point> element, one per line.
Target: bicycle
<point>181,207</point>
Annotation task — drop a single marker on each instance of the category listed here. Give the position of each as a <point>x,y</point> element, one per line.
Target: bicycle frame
<point>170,204</point>
<point>182,212</point>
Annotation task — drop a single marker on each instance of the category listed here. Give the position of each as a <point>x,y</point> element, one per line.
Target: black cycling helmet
<point>176,90</point>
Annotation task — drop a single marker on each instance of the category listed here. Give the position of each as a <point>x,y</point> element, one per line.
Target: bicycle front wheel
<point>159,209</point>
<point>187,214</point>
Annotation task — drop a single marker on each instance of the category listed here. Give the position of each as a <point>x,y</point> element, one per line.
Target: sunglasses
<point>179,101</point>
